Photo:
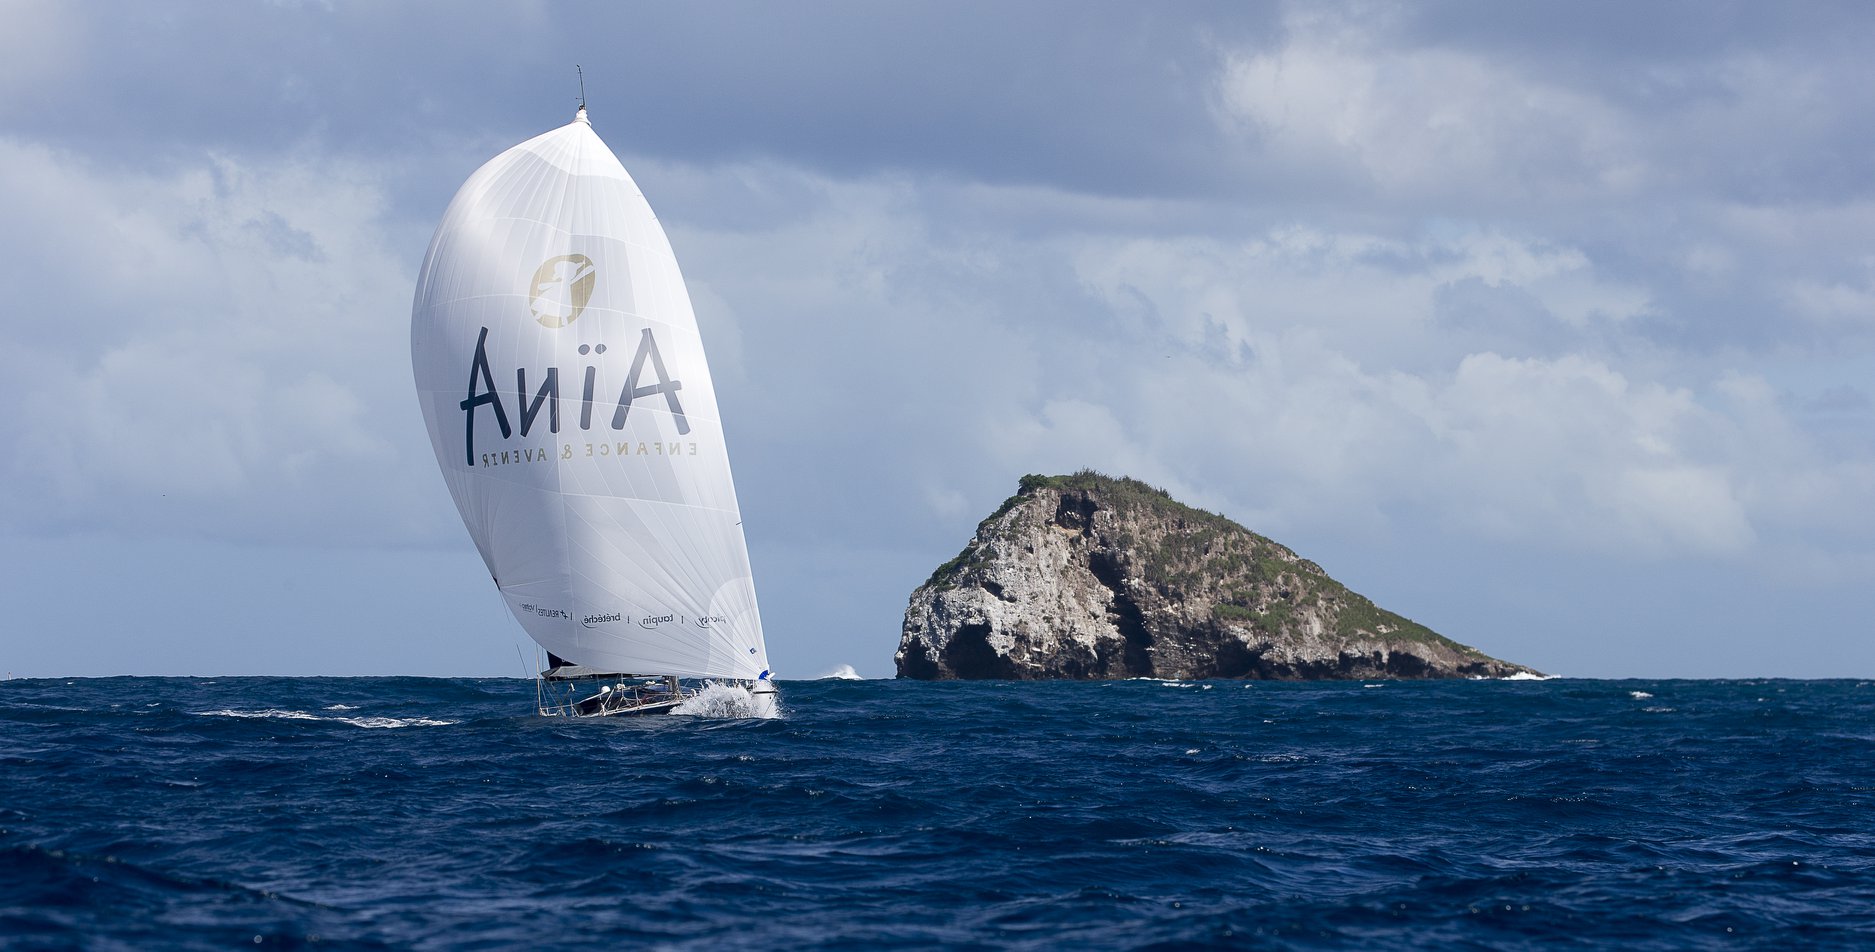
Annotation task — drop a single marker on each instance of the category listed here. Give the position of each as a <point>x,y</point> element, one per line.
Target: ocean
<point>184,813</point>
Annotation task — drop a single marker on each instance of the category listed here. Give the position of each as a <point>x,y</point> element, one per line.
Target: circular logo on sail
<point>561,288</point>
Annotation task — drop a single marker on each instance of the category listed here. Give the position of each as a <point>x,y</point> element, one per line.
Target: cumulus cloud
<point>1300,378</point>
<point>1499,368</point>
<point>1431,122</point>
<point>218,350</point>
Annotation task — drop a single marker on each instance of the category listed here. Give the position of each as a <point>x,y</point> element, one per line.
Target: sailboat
<point>563,382</point>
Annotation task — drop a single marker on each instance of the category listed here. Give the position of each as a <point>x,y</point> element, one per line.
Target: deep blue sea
<point>179,813</point>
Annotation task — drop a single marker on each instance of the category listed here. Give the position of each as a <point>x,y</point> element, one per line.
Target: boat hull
<point>638,710</point>
<point>751,699</point>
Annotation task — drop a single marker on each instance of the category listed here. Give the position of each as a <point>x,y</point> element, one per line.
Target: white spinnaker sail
<point>564,387</point>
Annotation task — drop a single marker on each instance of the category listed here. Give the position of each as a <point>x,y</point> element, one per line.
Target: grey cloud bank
<point>1548,326</point>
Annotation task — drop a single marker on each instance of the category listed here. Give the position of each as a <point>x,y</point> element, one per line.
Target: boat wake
<point>371,722</point>
<point>723,700</point>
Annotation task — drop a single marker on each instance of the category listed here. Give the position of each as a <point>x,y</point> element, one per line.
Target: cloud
<point>929,335</point>
<point>1711,167</point>
<point>1425,123</point>
<point>37,48</point>
<point>219,351</point>
<point>1569,448</point>
<point>1300,378</point>
<point>1552,453</point>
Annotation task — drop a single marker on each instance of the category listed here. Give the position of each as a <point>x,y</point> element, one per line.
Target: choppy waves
<point>178,813</point>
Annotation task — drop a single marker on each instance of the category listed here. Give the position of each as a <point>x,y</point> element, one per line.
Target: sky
<point>1550,326</point>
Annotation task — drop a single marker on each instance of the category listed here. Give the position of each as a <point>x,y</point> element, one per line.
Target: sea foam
<point>371,722</point>
<point>722,700</point>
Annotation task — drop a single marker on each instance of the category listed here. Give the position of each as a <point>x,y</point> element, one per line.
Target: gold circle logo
<point>561,288</point>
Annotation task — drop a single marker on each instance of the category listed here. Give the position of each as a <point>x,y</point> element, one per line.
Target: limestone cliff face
<point>1086,576</point>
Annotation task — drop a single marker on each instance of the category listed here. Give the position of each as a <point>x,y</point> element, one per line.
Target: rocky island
<point>1089,577</point>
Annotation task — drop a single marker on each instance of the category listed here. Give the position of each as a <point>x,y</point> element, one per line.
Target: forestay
<point>566,394</point>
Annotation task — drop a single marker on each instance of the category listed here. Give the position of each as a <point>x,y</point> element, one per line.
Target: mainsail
<point>563,382</point>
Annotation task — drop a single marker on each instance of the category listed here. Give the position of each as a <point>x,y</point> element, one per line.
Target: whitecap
<point>341,707</point>
<point>722,700</point>
<point>370,722</point>
<point>1639,695</point>
<point>1529,676</point>
<point>269,712</point>
<point>842,672</point>
<point>380,722</point>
